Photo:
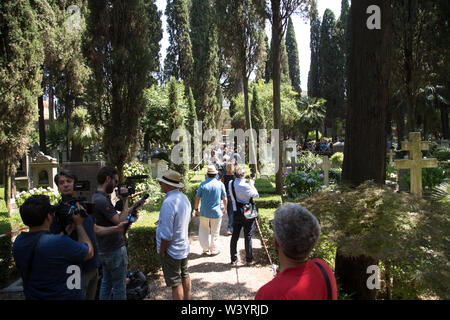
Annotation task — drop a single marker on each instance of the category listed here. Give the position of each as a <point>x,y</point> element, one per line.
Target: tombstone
<point>290,149</point>
<point>326,165</point>
<point>85,171</point>
<point>23,173</point>
<point>444,143</point>
<point>292,165</point>
<point>391,155</point>
<point>159,166</point>
<point>338,147</point>
<point>44,168</point>
<point>415,147</point>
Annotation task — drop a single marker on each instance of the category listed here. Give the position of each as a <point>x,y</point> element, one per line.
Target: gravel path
<point>212,277</point>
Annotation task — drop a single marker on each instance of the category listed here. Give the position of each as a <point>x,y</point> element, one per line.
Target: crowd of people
<point>60,256</point>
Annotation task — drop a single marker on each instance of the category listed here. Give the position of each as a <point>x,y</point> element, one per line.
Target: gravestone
<point>338,147</point>
<point>292,165</point>
<point>391,155</point>
<point>444,143</point>
<point>44,169</point>
<point>159,166</point>
<point>290,149</point>
<point>326,165</point>
<point>416,163</point>
<point>23,173</point>
<point>85,171</point>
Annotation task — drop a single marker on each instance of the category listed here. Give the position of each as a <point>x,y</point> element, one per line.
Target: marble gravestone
<point>416,163</point>
<point>44,169</point>
<point>326,165</point>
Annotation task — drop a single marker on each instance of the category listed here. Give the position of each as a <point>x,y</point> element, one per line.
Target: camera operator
<point>112,251</point>
<point>46,260</point>
<point>65,180</point>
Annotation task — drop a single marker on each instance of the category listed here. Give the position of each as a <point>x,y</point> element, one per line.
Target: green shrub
<point>308,161</point>
<point>6,260</point>
<point>337,159</point>
<point>265,186</point>
<point>54,195</point>
<point>405,233</point>
<point>150,185</point>
<point>268,201</point>
<point>442,153</point>
<point>141,247</point>
<point>431,177</point>
<point>300,183</point>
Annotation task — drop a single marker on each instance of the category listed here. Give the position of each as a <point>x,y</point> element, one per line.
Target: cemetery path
<point>213,277</point>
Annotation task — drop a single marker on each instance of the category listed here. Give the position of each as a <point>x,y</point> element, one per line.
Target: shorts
<point>174,270</point>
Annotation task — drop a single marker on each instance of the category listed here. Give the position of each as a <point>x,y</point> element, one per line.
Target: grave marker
<point>326,165</point>
<point>415,163</point>
<point>391,155</point>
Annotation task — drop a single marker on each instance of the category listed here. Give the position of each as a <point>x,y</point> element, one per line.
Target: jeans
<point>248,226</point>
<point>114,266</point>
<point>230,213</point>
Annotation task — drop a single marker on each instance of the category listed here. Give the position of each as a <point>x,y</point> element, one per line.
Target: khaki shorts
<point>174,270</point>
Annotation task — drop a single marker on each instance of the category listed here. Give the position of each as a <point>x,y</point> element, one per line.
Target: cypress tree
<point>314,68</point>
<point>179,62</point>
<point>205,54</point>
<point>123,51</point>
<point>21,59</point>
<point>292,52</point>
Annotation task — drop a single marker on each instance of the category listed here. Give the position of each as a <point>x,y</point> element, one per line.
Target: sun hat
<point>212,170</point>
<point>172,178</point>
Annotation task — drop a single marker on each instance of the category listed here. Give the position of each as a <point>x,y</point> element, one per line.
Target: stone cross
<point>416,163</point>
<point>326,165</point>
<point>293,165</point>
<point>391,154</point>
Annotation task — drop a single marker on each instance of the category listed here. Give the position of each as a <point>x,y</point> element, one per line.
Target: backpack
<point>137,288</point>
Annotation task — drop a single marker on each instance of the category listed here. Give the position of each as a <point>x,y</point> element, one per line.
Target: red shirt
<point>305,282</point>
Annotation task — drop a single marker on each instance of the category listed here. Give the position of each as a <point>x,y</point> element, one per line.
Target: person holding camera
<point>112,251</point>
<point>48,263</point>
<point>241,191</point>
<point>65,181</point>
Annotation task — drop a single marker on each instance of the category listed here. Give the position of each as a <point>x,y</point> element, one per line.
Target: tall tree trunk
<point>276,43</point>
<point>444,120</point>
<point>51,105</point>
<point>248,119</point>
<point>7,194</point>
<point>77,152</point>
<point>365,137</point>
<point>42,139</point>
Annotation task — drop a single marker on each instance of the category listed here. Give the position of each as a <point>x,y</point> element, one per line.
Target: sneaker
<point>206,253</point>
<point>234,263</point>
<point>215,253</point>
<point>251,263</point>
<point>229,233</point>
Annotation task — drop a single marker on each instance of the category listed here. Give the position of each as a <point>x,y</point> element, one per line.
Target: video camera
<point>132,212</point>
<point>64,211</point>
<point>130,185</point>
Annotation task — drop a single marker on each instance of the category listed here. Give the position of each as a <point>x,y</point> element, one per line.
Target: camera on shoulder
<point>67,208</point>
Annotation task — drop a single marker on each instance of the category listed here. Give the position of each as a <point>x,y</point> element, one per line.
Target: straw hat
<point>212,170</point>
<point>172,178</point>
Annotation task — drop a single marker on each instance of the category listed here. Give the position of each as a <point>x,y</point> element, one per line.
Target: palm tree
<point>312,114</point>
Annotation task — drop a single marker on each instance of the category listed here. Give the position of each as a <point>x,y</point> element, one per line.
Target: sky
<point>301,32</point>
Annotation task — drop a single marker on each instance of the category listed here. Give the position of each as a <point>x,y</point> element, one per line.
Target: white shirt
<point>243,192</point>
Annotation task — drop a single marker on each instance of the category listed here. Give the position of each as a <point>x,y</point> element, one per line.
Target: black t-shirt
<point>104,211</point>
<point>226,181</point>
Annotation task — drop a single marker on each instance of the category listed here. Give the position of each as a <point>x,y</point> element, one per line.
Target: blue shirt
<point>174,218</point>
<point>53,255</point>
<point>211,192</point>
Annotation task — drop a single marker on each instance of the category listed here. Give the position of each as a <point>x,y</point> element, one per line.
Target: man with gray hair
<point>295,233</point>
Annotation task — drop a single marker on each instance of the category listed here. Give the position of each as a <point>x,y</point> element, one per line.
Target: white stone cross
<point>391,154</point>
<point>326,165</point>
<point>416,163</point>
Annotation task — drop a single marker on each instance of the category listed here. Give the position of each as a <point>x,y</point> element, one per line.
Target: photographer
<point>112,251</point>
<point>244,190</point>
<point>46,260</point>
<point>65,180</point>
